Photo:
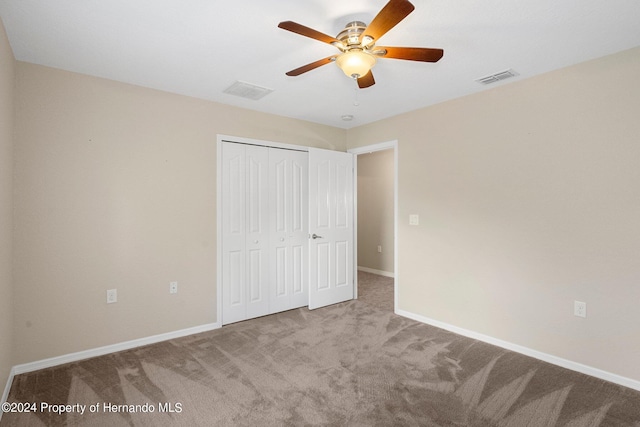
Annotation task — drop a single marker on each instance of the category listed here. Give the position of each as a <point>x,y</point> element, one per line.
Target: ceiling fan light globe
<point>355,64</point>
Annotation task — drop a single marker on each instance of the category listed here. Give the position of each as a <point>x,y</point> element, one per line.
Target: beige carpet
<point>351,364</point>
<point>375,290</point>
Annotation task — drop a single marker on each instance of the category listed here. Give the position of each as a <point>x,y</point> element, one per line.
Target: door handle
<point>315,236</point>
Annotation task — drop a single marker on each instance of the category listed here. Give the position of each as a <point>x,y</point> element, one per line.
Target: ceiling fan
<point>357,44</point>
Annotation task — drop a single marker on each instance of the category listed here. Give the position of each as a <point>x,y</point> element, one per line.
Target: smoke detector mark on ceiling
<point>493,78</point>
<point>247,90</point>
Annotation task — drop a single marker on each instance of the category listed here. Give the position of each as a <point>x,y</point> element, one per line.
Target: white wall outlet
<point>112,296</point>
<point>414,219</point>
<point>580,309</point>
<point>379,249</point>
<point>173,287</point>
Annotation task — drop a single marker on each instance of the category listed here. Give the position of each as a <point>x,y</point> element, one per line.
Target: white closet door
<point>288,254</point>
<point>271,200</point>
<point>245,232</point>
<point>257,238</point>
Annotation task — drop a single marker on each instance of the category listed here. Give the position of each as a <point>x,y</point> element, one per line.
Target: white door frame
<point>365,150</point>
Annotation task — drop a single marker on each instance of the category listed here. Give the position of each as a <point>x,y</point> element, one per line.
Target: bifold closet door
<point>264,230</point>
<point>288,210</point>
<point>245,232</point>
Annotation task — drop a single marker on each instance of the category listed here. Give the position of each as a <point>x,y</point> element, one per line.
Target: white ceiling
<point>200,47</point>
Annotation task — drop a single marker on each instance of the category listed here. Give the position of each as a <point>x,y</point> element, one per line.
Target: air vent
<point>493,78</point>
<point>247,90</point>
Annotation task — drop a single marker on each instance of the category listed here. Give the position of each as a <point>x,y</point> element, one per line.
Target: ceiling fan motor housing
<point>350,36</point>
<point>356,60</point>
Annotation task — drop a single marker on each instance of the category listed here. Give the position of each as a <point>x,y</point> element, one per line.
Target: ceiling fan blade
<point>307,32</point>
<point>390,15</point>
<point>311,66</point>
<point>366,81</point>
<point>423,54</point>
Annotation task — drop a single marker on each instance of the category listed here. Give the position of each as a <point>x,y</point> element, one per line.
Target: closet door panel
<point>299,229</point>
<point>279,186</point>
<point>299,272</point>
<point>235,268</point>
<point>257,226</point>
<point>287,179</point>
<point>245,232</point>
<point>279,252</point>
<point>233,233</point>
<point>280,272</point>
<point>265,223</point>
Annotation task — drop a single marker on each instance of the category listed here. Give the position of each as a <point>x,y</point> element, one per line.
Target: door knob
<point>315,236</point>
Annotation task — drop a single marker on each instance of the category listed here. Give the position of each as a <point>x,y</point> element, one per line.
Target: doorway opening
<point>376,216</point>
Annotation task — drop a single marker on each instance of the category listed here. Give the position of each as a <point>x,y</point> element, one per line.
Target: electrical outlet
<point>414,219</point>
<point>173,287</point>
<point>580,309</point>
<point>379,249</point>
<point>112,296</point>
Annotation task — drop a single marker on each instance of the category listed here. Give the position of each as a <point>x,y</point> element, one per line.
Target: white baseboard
<point>564,363</point>
<point>7,388</point>
<point>374,271</point>
<point>100,351</point>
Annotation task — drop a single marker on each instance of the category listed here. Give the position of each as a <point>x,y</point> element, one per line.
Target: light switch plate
<point>112,296</point>
<point>580,309</point>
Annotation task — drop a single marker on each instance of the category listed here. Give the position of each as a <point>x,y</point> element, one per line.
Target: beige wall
<point>7,64</point>
<point>529,199</point>
<point>116,188</point>
<point>375,210</point>
<point>528,193</point>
